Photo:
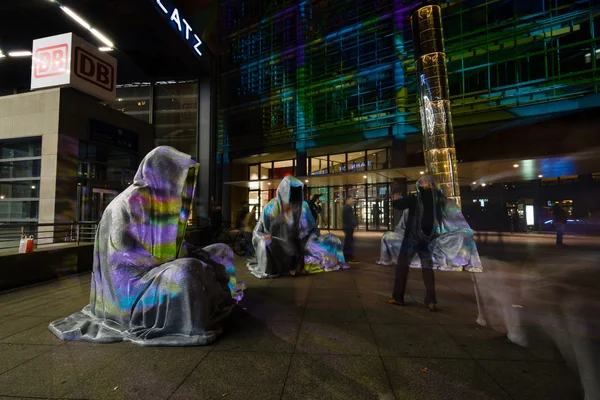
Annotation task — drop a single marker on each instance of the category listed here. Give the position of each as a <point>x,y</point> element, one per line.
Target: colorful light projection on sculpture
<point>434,99</point>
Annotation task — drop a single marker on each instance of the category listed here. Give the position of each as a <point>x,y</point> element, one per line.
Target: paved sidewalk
<point>327,336</point>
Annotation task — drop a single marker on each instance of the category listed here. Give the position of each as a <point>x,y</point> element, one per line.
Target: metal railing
<point>46,235</point>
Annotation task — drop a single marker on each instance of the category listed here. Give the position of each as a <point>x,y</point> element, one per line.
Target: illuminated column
<point>434,99</point>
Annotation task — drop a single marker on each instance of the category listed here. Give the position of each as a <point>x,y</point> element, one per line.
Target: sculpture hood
<point>158,203</point>
<point>290,189</point>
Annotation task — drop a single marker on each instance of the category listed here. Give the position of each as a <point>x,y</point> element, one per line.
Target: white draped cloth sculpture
<point>146,289</point>
<point>288,221</point>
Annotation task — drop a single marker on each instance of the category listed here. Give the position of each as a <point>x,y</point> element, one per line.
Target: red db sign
<point>94,70</point>
<point>51,61</point>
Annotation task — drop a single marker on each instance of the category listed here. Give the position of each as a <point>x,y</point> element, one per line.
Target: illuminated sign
<point>354,166</point>
<point>69,60</point>
<point>529,217</point>
<point>181,25</point>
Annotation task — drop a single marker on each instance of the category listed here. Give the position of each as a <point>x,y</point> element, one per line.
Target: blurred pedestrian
<point>315,207</point>
<point>514,221</point>
<point>348,226</point>
<point>376,215</point>
<point>560,222</point>
<point>249,224</point>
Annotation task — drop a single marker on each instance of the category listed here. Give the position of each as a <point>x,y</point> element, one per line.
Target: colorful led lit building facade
<point>326,90</point>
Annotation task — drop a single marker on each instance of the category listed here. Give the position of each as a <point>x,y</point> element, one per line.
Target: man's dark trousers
<point>406,255</point>
<point>349,244</point>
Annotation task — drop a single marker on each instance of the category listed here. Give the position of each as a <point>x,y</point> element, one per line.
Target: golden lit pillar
<point>434,99</point>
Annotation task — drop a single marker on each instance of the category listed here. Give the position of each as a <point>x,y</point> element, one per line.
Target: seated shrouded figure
<point>287,239</point>
<point>452,247</point>
<point>145,287</point>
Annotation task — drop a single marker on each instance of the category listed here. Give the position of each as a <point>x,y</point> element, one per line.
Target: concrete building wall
<point>36,114</point>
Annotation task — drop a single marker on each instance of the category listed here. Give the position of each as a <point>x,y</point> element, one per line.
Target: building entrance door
<point>93,202</point>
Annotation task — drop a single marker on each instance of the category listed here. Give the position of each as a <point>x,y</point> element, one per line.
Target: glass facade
<point>293,72</point>
<point>20,169</point>
<point>172,107</point>
<point>373,200</point>
<point>176,116</point>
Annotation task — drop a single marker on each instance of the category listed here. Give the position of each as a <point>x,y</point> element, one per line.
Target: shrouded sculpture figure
<point>145,287</point>
<point>287,239</point>
<point>452,245</point>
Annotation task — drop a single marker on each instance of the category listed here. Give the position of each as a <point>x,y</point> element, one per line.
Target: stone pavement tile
<point>326,295</point>
<point>336,338</point>
<point>236,376</point>
<point>304,282</point>
<point>335,311</point>
<point>332,377</point>
<point>59,308</point>
<point>252,281</point>
<point>39,334</point>
<point>378,311</point>
<point>269,311</point>
<point>249,334</point>
<point>440,379</point>
<point>333,280</point>
<point>416,341</point>
<point>80,343</point>
<point>19,307</point>
<point>486,343</point>
<point>13,355</point>
<point>143,373</point>
<point>370,283</point>
<point>289,295</point>
<point>525,380</point>
<point>455,314</point>
<point>15,324</point>
<point>56,372</point>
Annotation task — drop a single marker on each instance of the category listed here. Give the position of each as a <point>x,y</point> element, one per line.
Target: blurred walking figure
<point>315,207</point>
<point>348,226</point>
<point>514,221</point>
<point>376,215</point>
<point>241,213</point>
<point>560,222</point>
<point>249,224</point>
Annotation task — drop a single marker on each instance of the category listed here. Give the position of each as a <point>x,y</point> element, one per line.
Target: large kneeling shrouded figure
<point>287,239</point>
<point>145,287</point>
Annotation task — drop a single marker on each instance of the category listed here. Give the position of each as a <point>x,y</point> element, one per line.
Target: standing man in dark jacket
<point>348,226</point>
<point>424,214</point>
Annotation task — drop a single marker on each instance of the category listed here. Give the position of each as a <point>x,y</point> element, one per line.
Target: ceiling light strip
<point>87,26</point>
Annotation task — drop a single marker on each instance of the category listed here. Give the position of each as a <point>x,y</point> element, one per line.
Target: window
<point>253,172</point>
<point>176,116</point>
<point>377,159</point>
<point>281,169</point>
<point>20,168</point>
<point>318,165</point>
<point>356,162</point>
<point>337,163</point>
<point>134,100</point>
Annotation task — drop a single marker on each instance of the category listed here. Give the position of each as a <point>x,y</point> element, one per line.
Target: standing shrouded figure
<point>286,238</point>
<point>145,289</point>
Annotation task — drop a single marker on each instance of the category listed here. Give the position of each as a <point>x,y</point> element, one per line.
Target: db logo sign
<point>94,70</point>
<point>51,61</point>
